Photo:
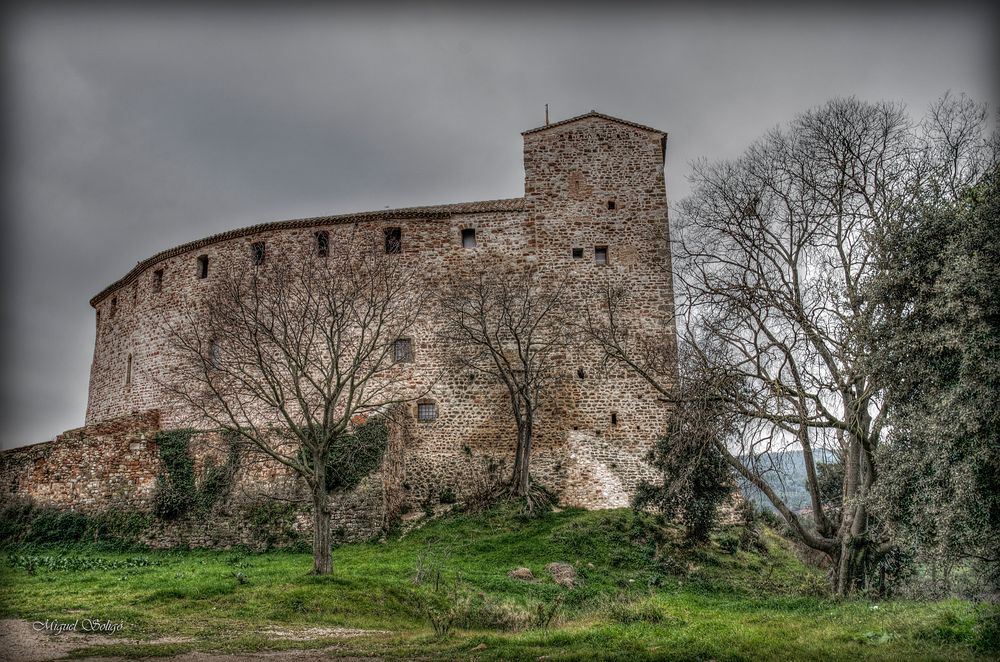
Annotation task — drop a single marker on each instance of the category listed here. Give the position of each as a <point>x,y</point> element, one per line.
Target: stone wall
<point>116,464</point>
<point>595,430</point>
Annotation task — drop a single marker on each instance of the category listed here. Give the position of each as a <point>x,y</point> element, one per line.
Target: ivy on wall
<point>355,455</point>
<point>178,492</point>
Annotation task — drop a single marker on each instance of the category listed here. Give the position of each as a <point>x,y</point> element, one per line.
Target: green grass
<point>642,597</point>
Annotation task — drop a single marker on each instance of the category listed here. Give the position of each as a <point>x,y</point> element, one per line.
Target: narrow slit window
<point>202,266</point>
<point>581,373</point>
<point>114,306</point>
<point>214,354</point>
<point>577,253</point>
<point>426,411</point>
<point>469,238</point>
<point>393,240</point>
<point>128,371</point>
<point>601,254</point>
<point>98,320</point>
<point>322,243</point>
<point>402,350</point>
<point>158,280</point>
<point>614,418</point>
<point>257,253</point>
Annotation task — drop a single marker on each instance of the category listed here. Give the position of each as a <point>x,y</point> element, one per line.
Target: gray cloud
<point>129,133</point>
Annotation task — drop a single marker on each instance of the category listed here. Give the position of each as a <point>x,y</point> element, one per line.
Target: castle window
<point>98,320</point>
<point>580,373</point>
<point>614,418</point>
<point>577,253</point>
<point>214,353</point>
<point>469,238</point>
<point>202,266</point>
<point>393,240</point>
<point>322,243</point>
<point>257,253</point>
<point>114,306</point>
<point>158,280</point>
<point>427,411</point>
<point>128,371</point>
<point>601,254</point>
<point>402,350</point>
<point>612,205</point>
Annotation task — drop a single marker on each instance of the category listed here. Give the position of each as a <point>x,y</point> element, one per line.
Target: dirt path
<point>22,641</point>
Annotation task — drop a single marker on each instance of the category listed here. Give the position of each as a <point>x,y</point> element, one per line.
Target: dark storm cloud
<point>129,133</point>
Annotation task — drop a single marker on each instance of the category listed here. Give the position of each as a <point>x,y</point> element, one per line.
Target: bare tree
<point>285,354</point>
<point>505,322</point>
<point>773,253</point>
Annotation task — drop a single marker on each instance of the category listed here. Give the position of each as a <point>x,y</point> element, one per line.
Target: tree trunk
<point>520,481</point>
<point>322,563</point>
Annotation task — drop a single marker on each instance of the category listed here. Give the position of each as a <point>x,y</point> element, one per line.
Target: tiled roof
<point>594,113</point>
<point>429,213</point>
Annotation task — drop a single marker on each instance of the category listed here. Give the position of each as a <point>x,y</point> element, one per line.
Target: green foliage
<point>175,485</point>
<point>178,492</point>
<point>696,481</point>
<point>354,455</point>
<point>718,606</point>
<point>937,351</point>
<point>23,522</point>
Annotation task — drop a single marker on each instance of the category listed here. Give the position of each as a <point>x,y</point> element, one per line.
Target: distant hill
<point>788,480</point>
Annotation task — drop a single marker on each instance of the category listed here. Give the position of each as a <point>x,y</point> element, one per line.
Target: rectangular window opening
<point>322,243</point>
<point>601,254</point>
<point>426,411</point>
<point>203,266</point>
<point>469,238</point>
<point>257,253</point>
<point>612,205</point>
<point>402,350</point>
<point>577,253</point>
<point>393,240</point>
<point>114,306</point>
<point>158,280</point>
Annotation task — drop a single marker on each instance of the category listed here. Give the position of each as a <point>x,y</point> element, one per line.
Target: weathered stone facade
<point>593,184</point>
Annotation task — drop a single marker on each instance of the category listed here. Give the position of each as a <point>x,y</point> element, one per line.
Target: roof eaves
<point>594,113</point>
<point>435,212</point>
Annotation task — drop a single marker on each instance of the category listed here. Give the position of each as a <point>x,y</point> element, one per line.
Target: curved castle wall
<point>590,182</point>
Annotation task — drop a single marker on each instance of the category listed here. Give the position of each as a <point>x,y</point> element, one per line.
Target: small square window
<point>203,266</point>
<point>393,240</point>
<point>426,411</point>
<point>257,253</point>
<point>402,350</point>
<point>322,243</point>
<point>469,238</point>
<point>577,253</point>
<point>601,254</point>
<point>612,205</point>
<point>158,280</point>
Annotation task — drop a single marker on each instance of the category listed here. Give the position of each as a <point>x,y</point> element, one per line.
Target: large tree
<point>937,349</point>
<point>505,322</point>
<point>288,353</point>
<point>774,249</point>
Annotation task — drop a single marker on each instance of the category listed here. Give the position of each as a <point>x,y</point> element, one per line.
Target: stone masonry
<point>594,208</point>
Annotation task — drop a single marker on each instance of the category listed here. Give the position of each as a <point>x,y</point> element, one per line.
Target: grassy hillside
<point>640,596</point>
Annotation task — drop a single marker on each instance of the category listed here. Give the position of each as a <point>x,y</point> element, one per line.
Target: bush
<point>25,523</point>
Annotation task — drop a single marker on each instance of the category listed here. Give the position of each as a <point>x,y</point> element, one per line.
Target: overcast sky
<point>129,133</point>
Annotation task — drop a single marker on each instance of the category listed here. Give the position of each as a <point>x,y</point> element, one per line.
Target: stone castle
<point>594,207</point>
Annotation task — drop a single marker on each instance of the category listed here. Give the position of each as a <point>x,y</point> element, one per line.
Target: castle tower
<point>595,201</point>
